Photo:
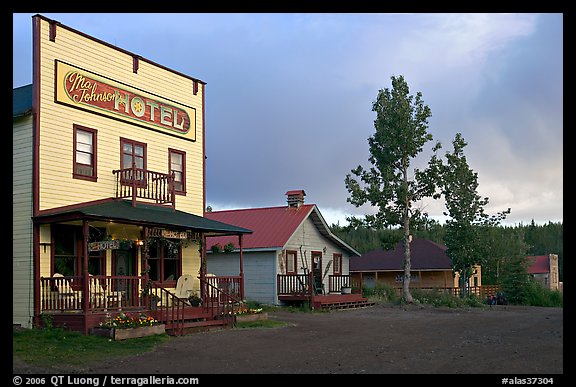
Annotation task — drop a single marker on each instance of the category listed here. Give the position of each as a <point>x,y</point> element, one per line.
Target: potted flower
<point>346,289</point>
<point>195,300</point>
<point>128,326</point>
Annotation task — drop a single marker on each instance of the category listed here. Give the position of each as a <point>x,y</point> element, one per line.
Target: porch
<point>342,291</point>
<point>62,301</point>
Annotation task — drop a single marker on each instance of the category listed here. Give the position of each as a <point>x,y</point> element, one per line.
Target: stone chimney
<point>295,198</point>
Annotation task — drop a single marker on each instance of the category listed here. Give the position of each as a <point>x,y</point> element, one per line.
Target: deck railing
<point>337,281</point>
<point>151,186</point>
<point>231,285</point>
<point>294,284</point>
<point>106,292</point>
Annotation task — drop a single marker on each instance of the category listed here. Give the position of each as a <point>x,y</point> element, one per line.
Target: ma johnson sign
<point>86,90</point>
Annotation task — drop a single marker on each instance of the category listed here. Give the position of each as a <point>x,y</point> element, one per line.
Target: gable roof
<point>21,101</point>
<point>538,264</point>
<point>424,255</point>
<point>272,226</point>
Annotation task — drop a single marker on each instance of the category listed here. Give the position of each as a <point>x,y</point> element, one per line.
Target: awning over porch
<point>142,214</point>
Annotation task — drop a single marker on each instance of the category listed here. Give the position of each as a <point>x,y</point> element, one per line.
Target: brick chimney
<point>295,198</point>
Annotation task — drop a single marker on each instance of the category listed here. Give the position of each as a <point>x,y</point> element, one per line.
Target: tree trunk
<point>463,283</point>
<point>406,296</point>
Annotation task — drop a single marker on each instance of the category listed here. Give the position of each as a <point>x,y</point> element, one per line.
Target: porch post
<point>202,244</point>
<point>36,272</point>
<point>85,287</point>
<point>241,267</point>
<point>144,269</point>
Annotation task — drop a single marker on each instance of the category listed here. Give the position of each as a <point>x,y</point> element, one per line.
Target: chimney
<point>295,198</point>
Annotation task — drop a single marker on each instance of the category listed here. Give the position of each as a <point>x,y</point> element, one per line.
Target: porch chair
<point>68,298</point>
<point>184,288</point>
<point>99,297</point>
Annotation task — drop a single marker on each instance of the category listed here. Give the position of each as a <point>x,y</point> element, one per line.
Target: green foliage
<point>458,185</point>
<point>217,248</point>
<point>391,185</point>
<point>501,240</point>
<point>514,279</point>
<point>47,320</point>
<point>382,293</point>
<point>439,298</point>
<point>537,295</point>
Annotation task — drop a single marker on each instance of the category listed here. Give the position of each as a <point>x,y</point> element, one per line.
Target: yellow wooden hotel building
<point>109,188</point>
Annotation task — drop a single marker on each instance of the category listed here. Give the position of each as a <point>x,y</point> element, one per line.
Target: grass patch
<point>56,346</point>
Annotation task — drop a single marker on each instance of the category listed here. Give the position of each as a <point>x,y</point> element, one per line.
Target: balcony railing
<point>150,186</point>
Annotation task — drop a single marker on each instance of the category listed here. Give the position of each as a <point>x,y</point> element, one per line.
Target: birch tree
<point>392,185</point>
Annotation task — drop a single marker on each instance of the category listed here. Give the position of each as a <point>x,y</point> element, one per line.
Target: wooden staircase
<point>180,317</point>
<point>340,301</point>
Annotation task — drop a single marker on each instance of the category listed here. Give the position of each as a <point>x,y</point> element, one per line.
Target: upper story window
<point>178,166</point>
<point>84,153</point>
<point>133,153</point>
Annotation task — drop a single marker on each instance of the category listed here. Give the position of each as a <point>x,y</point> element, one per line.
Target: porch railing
<point>105,292</point>
<point>294,284</point>
<point>139,183</point>
<point>337,281</point>
<point>231,285</point>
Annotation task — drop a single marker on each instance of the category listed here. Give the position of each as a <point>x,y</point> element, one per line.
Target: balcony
<point>144,185</point>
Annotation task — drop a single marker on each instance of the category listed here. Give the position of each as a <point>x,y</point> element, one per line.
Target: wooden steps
<point>348,304</point>
<point>196,326</point>
<point>340,301</point>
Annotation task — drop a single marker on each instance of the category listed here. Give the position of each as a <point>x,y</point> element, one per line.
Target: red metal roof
<point>424,255</point>
<point>271,226</point>
<point>539,264</point>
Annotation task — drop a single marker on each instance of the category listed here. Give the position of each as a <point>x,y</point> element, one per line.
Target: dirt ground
<point>412,339</point>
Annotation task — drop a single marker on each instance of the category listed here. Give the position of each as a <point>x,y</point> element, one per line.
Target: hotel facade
<point>108,186</point>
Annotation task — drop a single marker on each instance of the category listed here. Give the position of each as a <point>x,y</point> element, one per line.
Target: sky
<point>289,97</point>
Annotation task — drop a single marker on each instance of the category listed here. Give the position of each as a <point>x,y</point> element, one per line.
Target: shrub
<point>381,293</point>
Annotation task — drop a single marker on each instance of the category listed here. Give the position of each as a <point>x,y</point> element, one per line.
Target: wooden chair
<point>100,298</point>
<point>68,298</point>
<point>184,288</point>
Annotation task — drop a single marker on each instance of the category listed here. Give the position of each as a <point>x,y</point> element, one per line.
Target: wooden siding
<point>57,187</point>
<point>309,237</point>
<point>22,269</point>
<point>259,273</point>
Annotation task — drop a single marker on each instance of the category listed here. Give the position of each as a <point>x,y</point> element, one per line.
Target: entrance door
<point>123,266</point>
<point>317,272</point>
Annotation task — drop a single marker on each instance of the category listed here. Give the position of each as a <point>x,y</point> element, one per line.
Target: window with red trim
<point>177,165</point>
<point>133,154</point>
<point>291,259</point>
<point>84,153</point>
<point>337,263</point>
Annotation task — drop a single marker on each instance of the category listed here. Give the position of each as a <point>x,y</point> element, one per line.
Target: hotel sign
<point>104,245</point>
<point>173,234</point>
<point>83,89</point>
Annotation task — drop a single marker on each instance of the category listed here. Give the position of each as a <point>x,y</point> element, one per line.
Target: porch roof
<point>143,214</point>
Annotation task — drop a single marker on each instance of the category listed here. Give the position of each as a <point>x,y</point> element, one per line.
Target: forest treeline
<point>538,240</point>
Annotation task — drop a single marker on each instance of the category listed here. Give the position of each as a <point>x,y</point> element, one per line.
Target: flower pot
<point>346,290</point>
<point>131,333</point>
